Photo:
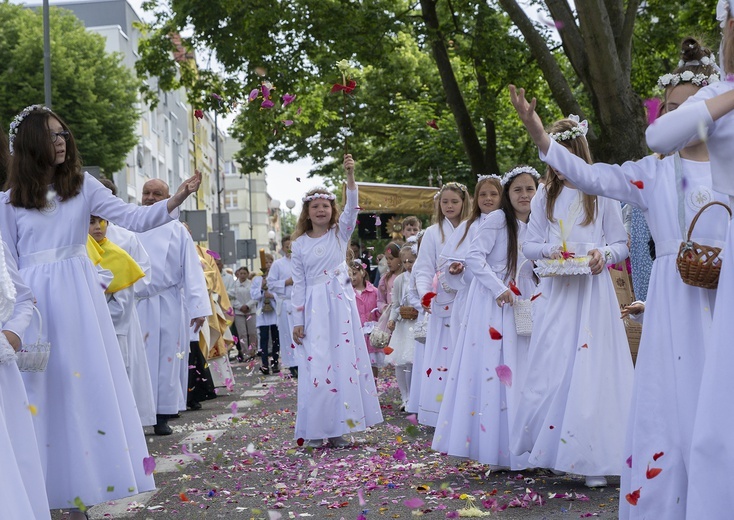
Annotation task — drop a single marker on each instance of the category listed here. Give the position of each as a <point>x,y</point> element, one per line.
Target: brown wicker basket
<point>408,313</point>
<point>698,264</point>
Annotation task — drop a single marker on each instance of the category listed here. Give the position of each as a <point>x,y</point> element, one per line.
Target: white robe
<point>574,404</point>
<point>711,455</point>
<point>88,430</point>
<point>264,319</point>
<point>478,408</point>
<point>336,390</point>
<point>127,325</point>
<point>401,340</point>
<point>176,294</point>
<point>279,272</point>
<point>439,348</point>
<point>22,487</point>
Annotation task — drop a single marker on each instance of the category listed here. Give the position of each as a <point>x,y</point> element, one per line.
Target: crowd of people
<point>500,320</point>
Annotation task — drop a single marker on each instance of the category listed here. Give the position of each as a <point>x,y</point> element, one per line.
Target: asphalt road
<point>240,461</point>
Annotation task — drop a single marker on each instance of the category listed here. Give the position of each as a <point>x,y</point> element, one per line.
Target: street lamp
<point>271,239</point>
<point>290,204</point>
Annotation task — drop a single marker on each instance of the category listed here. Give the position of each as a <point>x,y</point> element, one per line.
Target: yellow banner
<point>394,198</point>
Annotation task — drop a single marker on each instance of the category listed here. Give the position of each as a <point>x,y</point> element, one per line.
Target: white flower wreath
<point>17,120</point>
<point>520,170</point>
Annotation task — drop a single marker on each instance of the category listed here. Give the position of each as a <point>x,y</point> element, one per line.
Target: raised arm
<point>348,218</point>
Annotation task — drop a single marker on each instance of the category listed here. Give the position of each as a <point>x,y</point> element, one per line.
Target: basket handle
<point>40,324</point>
<point>700,211</point>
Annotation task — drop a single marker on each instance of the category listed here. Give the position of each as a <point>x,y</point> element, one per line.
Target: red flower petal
<point>198,114</point>
<point>584,346</point>
<point>428,372</point>
<point>300,441</point>
<point>426,300</point>
<point>388,350</point>
<point>658,455</point>
<point>652,472</point>
<point>633,497</point>
<point>494,333</point>
<point>514,289</point>
<point>640,185</point>
<point>432,123</point>
<point>536,296</point>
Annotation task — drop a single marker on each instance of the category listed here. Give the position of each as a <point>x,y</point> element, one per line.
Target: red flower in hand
<point>346,88</point>
<point>567,254</point>
<point>426,300</point>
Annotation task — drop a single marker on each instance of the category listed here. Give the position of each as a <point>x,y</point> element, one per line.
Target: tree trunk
<point>454,99</point>
<point>598,49</point>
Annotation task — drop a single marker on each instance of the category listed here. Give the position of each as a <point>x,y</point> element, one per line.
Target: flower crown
<point>580,129</point>
<point>453,185</point>
<point>700,79</point>
<point>705,61</point>
<point>327,196</point>
<point>520,170</point>
<point>481,178</point>
<point>17,120</point>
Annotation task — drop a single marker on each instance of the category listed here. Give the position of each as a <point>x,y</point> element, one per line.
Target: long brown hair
<point>33,155</point>
<point>3,157</point>
<point>579,147</point>
<point>463,193</point>
<point>304,225</point>
<point>512,227</point>
<point>692,51</point>
<point>394,249</point>
<point>476,211</point>
<point>728,46</point>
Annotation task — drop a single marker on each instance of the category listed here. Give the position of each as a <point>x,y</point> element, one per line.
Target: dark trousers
<point>266,332</point>
<point>201,386</point>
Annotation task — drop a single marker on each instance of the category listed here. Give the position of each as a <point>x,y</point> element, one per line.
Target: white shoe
<point>314,443</point>
<point>339,442</point>
<point>596,482</point>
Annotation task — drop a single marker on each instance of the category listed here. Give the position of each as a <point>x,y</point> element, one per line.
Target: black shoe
<point>264,371</point>
<point>193,405</point>
<point>172,416</point>
<point>294,372</point>
<point>161,427</point>
<point>276,368</point>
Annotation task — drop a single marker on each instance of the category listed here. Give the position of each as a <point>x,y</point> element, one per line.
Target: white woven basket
<point>420,329</point>
<point>523,311</point>
<point>33,357</point>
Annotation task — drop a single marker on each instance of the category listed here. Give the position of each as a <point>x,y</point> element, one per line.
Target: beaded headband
<point>481,178</point>
<point>453,185</point>
<point>326,196</point>
<point>577,131</point>
<point>17,120</point>
<point>518,171</point>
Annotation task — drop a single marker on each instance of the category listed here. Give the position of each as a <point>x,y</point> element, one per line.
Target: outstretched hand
<point>349,169</point>
<point>529,117</point>
<point>189,186</point>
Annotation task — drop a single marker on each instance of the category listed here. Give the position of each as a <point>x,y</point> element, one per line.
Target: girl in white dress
<point>453,204</point>
<point>670,361</point>
<point>402,341</point>
<point>336,391</point>
<point>22,487</point>
<point>480,400</point>
<point>573,407</point>
<point>89,434</point>
<point>710,113</point>
<point>384,299</point>
<point>487,198</point>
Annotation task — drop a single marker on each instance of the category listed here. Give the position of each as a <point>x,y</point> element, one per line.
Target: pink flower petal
<point>414,503</point>
<point>653,107</point>
<point>505,374</point>
<point>149,465</point>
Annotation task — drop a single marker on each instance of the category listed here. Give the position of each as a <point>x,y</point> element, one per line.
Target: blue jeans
<point>266,331</point>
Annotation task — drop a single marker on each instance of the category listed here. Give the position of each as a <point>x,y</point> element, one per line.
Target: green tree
<point>91,89</point>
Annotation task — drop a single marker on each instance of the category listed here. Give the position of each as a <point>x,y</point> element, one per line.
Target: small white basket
<point>420,328</point>
<point>33,357</point>
<point>523,311</point>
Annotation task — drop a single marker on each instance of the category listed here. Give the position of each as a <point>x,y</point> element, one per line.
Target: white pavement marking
<point>203,436</point>
<point>226,418</point>
<point>123,507</point>
<point>245,403</point>
<point>170,463</point>
<point>255,393</point>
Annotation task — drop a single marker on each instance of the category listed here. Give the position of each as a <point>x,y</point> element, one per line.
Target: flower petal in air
<point>633,497</point>
<point>505,374</point>
<point>288,99</point>
<point>149,465</point>
<point>253,94</point>
<point>639,184</point>
<point>658,455</point>
<point>267,104</point>
<point>494,333</point>
<point>199,114</point>
<point>653,107</point>
<point>288,122</point>
<point>432,123</point>
<point>652,472</point>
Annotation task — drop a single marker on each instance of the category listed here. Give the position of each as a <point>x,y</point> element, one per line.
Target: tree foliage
<point>91,89</point>
<point>444,61</point>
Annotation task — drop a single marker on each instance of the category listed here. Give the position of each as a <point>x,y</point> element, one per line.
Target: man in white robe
<point>175,300</point>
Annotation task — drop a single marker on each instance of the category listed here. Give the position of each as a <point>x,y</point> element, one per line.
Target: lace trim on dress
<point>7,353</point>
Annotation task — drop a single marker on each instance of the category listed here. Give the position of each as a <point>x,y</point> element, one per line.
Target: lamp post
<point>290,204</point>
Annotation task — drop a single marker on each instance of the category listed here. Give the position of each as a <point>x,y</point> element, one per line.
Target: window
<point>230,168</point>
<point>230,200</point>
<point>167,130</point>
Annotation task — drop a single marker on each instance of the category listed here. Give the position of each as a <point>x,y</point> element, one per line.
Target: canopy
<point>394,198</point>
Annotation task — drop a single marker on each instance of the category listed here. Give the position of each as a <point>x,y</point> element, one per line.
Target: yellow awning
<point>394,198</point>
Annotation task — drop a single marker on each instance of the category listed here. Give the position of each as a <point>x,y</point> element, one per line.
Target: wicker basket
<point>33,357</point>
<point>408,313</point>
<point>699,265</point>
<point>523,311</point>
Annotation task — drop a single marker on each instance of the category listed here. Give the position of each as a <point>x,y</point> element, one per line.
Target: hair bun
<point>691,49</point>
